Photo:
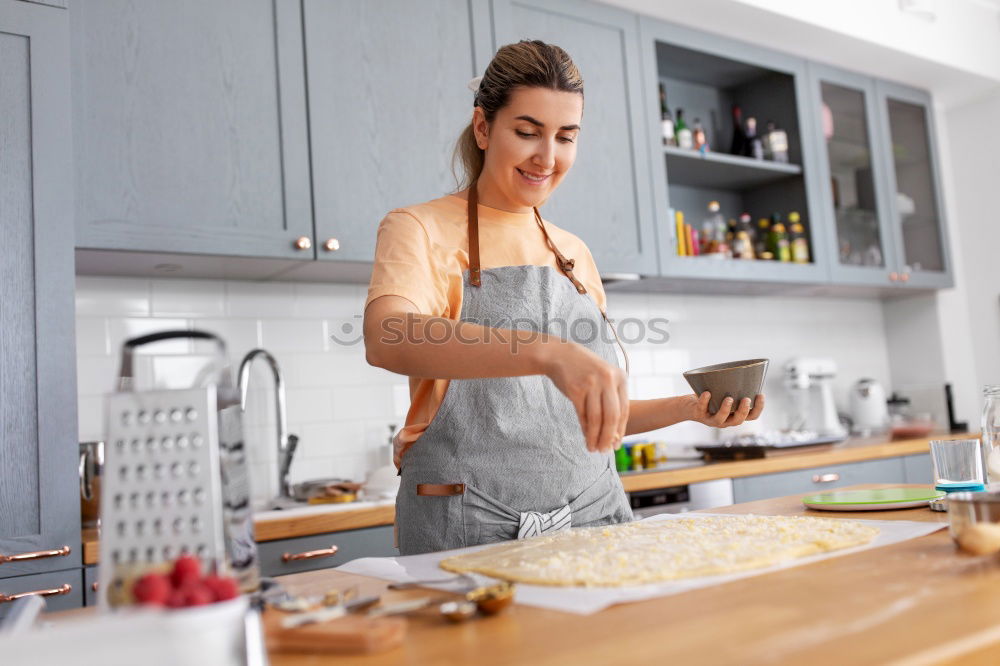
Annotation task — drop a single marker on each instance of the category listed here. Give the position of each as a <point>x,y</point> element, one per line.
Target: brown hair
<point>529,63</point>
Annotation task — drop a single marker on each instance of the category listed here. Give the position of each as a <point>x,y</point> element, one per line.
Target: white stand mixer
<point>810,384</point>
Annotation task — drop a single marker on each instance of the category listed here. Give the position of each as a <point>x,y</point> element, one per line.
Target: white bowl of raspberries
<point>184,585</point>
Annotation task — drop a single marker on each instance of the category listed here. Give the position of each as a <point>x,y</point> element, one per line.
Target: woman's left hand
<point>725,417</point>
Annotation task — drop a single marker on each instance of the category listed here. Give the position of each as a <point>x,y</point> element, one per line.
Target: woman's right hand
<point>597,389</point>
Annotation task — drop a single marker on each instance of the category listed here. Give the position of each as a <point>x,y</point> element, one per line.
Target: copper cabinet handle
<point>826,478</point>
<point>331,245</point>
<point>37,555</point>
<point>65,589</point>
<point>309,554</point>
<point>893,276</point>
<point>303,243</point>
<point>93,586</point>
<point>904,277</point>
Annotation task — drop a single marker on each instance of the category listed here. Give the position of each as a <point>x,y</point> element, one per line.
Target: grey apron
<point>504,453</point>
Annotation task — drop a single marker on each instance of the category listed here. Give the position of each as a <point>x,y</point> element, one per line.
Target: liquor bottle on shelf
<point>713,233</point>
<point>699,136</point>
<point>666,120</point>
<point>760,240</point>
<point>753,147</point>
<point>739,143</point>
<point>775,143</point>
<point>777,240</point>
<point>685,138</point>
<point>743,241</point>
<point>797,239</point>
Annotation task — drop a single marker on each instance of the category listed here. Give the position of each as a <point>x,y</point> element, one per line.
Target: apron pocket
<point>427,523</point>
<point>487,519</point>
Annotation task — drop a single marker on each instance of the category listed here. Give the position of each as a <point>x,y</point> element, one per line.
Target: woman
<point>512,425</point>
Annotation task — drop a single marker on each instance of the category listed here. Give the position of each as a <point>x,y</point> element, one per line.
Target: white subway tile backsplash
<point>188,298</point>
<point>340,406</point>
<point>112,296</point>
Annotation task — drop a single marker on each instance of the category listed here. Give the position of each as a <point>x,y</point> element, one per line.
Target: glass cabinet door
<point>854,180</point>
<point>916,201</point>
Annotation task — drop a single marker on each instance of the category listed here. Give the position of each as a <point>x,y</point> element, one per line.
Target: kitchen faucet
<point>286,442</point>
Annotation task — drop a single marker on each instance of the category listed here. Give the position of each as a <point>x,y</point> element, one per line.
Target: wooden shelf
<point>721,171</point>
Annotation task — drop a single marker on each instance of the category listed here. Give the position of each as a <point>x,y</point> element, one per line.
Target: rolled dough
<point>650,551</point>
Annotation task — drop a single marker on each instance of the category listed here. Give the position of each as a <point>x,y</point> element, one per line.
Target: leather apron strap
<point>565,264</point>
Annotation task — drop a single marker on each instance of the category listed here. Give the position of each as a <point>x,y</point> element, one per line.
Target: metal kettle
<point>869,412</point>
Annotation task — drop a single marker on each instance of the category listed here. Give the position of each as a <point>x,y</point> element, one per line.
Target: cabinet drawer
<point>351,544</point>
<point>90,577</point>
<point>817,479</point>
<point>46,581</point>
<point>918,469</point>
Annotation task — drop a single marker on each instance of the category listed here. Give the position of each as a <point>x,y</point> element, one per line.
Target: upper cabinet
<point>917,213</point>
<point>39,497</point>
<point>605,199</point>
<point>880,186</point>
<point>388,98</point>
<point>720,90</point>
<point>189,125</point>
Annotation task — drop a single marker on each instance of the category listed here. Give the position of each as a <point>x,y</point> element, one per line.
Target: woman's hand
<point>725,417</point>
<point>598,391</point>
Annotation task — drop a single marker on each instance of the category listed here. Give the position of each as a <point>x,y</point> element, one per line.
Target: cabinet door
<point>817,479</point>
<point>39,491</point>
<point>915,201</point>
<point>190,126</point>
<point>854,183</point>
<point>605,199</point>
<point>919,469</point>
<point>62,590</point>
<point>388,97</point>
<point>277,558</point>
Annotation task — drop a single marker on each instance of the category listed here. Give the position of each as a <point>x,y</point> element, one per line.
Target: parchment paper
<point>588,600</point>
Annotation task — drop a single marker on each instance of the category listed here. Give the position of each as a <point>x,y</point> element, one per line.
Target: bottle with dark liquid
<point>738,146</point>
<point>666,120</point>
<point>685,138</point>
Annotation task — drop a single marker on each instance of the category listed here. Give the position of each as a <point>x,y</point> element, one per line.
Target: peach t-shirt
<point>421,253</point>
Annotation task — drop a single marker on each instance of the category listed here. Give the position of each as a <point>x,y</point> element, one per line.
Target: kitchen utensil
<point>958,465</point>
<point>869,412</point>
<point>881,499</point>
<point>747,451</point>
<point>735,379</point>
<point>176,479</point>
<point>91,473</point>
<point>809,382</point>
<point>972,508</point>
<point>492,599</point>
<point>457,611</point>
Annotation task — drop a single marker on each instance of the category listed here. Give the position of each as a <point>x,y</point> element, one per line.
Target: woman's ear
<point>480,127</point>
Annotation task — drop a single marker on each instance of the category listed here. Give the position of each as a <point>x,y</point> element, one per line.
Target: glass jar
<point>991,431</point>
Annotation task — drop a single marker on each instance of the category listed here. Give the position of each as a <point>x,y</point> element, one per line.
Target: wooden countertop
<point>853,450</point>
<point>915,602</point>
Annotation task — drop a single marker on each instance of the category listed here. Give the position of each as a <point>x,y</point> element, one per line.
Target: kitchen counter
<point>307,521</point>
<point>915,602</point>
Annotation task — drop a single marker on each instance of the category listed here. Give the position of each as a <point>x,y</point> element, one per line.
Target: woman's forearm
<point>646,415</point>
<point>419,345</point>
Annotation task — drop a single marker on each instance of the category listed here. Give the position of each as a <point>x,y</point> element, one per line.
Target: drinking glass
<point>958,464</point>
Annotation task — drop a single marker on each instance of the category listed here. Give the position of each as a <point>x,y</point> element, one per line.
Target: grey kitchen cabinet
<point>39,490</point>
<point>288,556</point>
<point>818,479</point>
<point>388,98</point>
<point>909,152</point>
<point>62,590</point>
<point>918,468</point>
<point>605,198</point>
<point>854,182</point>
<point>705,75</point>
<point>190,128</point>
<point>91,576</point>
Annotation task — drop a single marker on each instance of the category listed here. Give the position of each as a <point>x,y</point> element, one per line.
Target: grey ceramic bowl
<point>736,379</point>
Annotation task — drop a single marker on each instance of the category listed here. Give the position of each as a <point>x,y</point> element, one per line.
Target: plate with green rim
<point>879,499</point>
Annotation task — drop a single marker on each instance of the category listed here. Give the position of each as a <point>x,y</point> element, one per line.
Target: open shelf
<point>723,171</point>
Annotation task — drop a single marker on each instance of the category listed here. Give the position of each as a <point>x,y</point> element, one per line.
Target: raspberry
<point>187,569</point>
<point>196,594</point>
<point>152,588</point>
<point>176,599</point>
<point>222,588</point>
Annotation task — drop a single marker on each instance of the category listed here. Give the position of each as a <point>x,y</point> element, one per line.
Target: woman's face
<point>530,145</point>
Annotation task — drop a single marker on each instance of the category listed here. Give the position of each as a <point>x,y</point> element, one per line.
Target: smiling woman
<point>475,286</point>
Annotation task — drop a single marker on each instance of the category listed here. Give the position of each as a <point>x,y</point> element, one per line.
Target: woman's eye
<point>524,134</point>
<point>566,139</point>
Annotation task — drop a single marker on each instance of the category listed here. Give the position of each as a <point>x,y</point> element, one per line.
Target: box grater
<point>175,478</point>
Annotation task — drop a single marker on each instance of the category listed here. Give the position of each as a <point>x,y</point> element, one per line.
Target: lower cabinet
<point>90,577</point>
<point>818,479</point>
<point>918,469</point>
<point>288,556</point>
<point>62,590</point>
